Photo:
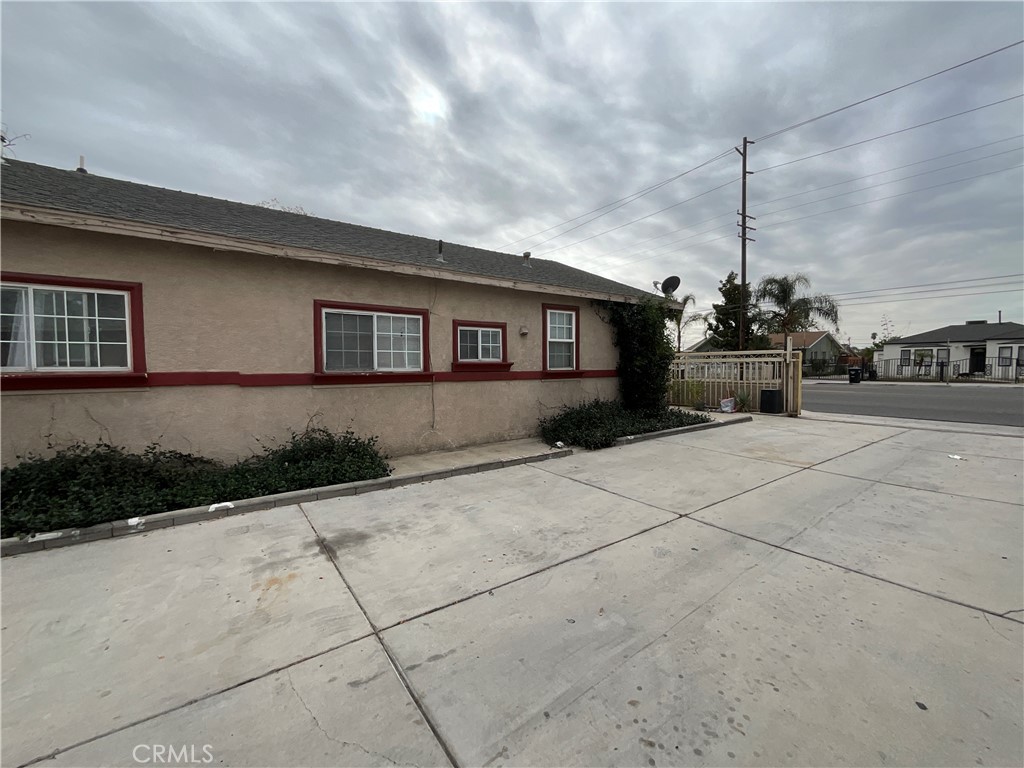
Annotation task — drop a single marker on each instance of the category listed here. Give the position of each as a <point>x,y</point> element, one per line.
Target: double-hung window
<point>905,356</point>
<point>562,338</point>
<point>371,341</point>
<point>62,328</point>
<point>1005,356</point>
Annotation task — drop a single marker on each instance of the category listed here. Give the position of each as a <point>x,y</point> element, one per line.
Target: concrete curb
<point>743,419</point>
<point>117,528</point>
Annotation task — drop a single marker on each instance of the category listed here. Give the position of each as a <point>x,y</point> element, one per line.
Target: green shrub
<point>88,484</point>
<point>645,353</point>
<point>599,423</point>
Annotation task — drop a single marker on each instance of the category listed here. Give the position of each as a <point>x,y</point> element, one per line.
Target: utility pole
<point>744,228</point>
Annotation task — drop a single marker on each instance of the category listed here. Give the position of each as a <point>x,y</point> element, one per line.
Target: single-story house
<point>976,347</point>
<point>815,345</point>
<point>707,344</point>
<point>134,314</point>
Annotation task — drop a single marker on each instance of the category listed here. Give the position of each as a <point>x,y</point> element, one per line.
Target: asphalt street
<point>978,403</point>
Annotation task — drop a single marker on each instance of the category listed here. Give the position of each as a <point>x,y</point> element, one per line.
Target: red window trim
<point>480,366</point>
<point>20,380</point>
<point>560,372</point>
<point>321,376</point>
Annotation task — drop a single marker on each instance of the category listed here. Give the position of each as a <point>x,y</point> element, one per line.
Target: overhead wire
<point>621,202</point>
<point>608,208</point>
<point>890,197</point>
<point>895,168</point>
<point>886,135</point>
<point>603,256</point>
<point>802,123</point>
<point>886,183</point>
<point>641,218</point>
<point>881,298</point>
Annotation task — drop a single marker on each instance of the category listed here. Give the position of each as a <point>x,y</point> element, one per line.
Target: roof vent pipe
<point>440,252</point>
<point>526,258</point>
<point>81,164</point>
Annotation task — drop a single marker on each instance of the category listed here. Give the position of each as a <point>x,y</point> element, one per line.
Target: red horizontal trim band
<point>30,381</point>
<point>468,367</point>
<point>20,382</point>
<point>372,378</point>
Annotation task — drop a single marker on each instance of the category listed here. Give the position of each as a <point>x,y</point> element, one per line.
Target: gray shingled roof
<point>966,333</point>
<point>53,188</point>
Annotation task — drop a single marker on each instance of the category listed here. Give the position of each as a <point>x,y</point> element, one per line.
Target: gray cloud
<point>484,123</point>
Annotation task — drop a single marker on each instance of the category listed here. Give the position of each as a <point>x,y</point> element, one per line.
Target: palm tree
<point>794,312</point>
<point>677,316</point>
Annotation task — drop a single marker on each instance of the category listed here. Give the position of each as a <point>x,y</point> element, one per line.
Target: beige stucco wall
<point>224,311</point>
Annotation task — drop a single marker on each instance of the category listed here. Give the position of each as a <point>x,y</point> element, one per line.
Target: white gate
<point>710,377</point>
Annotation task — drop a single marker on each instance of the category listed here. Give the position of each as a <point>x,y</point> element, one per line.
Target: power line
<point>622,201</point>
<point>886,93</point>
<point>896,168</point>
<point>634,221</point>
<point>927,298</point>
<point>942,282</point>
<point>822,213</point>
<point>602,257</point>
<point>886,135</point>
<point>876,293</point>
<point>663,234</point>
<point>885,183</point>
<point>887,197</point>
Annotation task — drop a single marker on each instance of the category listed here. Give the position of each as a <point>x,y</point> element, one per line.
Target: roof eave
<point>74,220</point>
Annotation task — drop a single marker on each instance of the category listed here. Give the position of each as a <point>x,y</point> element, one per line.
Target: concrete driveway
<point>783,592</point>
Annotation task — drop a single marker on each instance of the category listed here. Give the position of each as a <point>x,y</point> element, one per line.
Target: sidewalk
<point>972,384</point>
<point>993,430</point>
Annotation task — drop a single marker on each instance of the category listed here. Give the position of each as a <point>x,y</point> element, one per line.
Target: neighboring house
<point>815,345</point>
<point>135,314</point>
<point>709,344</point>
<point>975,348</point>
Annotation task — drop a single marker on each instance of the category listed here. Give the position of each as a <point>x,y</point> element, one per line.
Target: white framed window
<point>57,328</point>
<point>1005,356</point>
<point>942,355</point>
<point>372,341</point>
<point>561,338</point>
<point>480,345</point>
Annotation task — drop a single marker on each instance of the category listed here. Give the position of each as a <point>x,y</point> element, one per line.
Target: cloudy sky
<point>487,123</point>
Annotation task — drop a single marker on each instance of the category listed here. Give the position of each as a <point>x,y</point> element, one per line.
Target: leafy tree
<point>793,311</point>
<point>723,321</point>
<point>277,205</point>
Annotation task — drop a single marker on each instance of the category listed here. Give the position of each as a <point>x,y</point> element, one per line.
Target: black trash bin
<point>855,374</point>
<point>771,401</point>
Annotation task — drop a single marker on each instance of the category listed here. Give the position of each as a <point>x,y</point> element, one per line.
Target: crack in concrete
<point>319,727</point>
<point>992,627</point>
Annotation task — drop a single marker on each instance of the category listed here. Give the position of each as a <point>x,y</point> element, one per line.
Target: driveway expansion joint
<point>392,660</point>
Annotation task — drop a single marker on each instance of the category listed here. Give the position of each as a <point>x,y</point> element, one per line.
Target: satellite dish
<point>669,284</point>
